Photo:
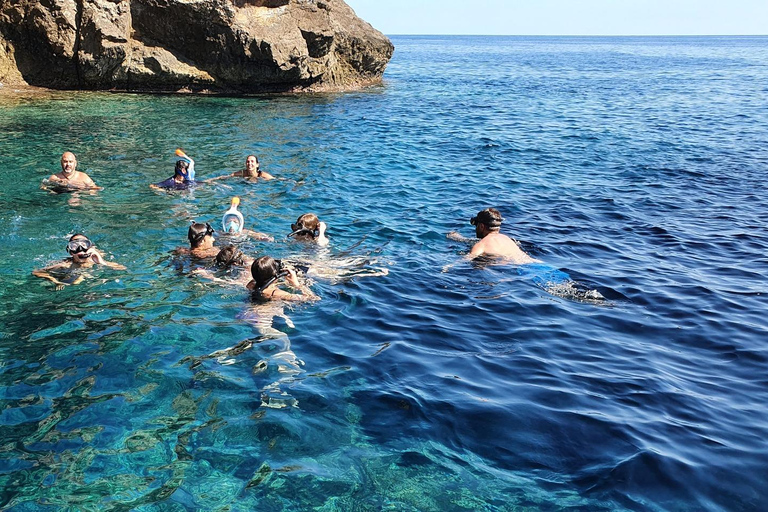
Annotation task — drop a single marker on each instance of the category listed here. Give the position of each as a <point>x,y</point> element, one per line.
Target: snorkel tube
<point>189,175</point>
<point>232,221</point>
<point>300,230</point>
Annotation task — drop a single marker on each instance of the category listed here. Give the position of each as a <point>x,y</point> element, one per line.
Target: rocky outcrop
<point>228,46</point>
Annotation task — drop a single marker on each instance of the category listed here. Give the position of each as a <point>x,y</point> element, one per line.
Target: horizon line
<point>585,35</point>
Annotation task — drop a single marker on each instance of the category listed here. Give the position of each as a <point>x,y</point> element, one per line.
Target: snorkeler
<point>83,255</point>
<point>200,241</point>
<point>183,176</point>
<point>310,229</point>
<point>267,272</point>
<point>493,243</point>
<point>69,178</point>
<point>229,258</point>
<point>252,171</point>
<point>232,223</point>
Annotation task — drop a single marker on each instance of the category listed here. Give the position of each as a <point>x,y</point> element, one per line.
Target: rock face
<point>227,46</point>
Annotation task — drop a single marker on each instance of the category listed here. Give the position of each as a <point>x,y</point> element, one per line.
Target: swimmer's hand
<point>292,279</point>
<point>454,235</point>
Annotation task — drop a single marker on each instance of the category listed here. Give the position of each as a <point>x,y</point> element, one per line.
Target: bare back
<point>497,244</point>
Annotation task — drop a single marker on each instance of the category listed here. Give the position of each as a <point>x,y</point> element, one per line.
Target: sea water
<point>627,372</point>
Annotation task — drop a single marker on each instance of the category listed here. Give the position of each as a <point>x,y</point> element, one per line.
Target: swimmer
<point>232,223</point>
<point>309,228</point>
<point>251,172</point>
<point>228,258</point>
<point>183,176</point>
<point>70,178</point>
<point>83,255</point>
<point>200,241</point>
<point>493,243</point>
<point>267,272</point>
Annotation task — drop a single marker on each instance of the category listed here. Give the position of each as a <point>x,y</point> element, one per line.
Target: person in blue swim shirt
<point>492,242</point>
<point>184,174</point>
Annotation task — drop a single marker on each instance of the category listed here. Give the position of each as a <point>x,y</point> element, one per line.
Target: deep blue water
<point>637,166</point>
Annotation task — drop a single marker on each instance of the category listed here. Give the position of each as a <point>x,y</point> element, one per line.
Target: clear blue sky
<point>566,17</point>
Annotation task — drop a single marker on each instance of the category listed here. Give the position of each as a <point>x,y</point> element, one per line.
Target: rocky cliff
<point>228,46</point>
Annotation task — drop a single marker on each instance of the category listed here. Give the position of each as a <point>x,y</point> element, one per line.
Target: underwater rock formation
<point>220,46</point>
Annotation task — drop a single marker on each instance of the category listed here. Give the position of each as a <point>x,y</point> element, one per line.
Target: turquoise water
<point>633,167</point>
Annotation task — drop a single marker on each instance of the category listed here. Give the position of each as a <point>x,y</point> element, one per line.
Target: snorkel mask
<point>79,245</point>
<point>209,231</point>
<point>300,231</point>
<point>281,272</point>
<point>232,221</point>
<point>489,222</point>
<point>189,173</point>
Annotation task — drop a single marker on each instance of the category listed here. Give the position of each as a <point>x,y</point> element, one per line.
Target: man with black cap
<point>492,243</point>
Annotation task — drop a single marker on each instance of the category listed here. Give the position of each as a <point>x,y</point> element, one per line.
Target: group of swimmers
<point>266,273</point>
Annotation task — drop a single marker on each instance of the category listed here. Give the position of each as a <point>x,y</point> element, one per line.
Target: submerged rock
<point>226,46</point>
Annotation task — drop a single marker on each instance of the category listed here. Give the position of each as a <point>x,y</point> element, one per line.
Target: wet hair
<point>77,235</point>
<point>490,218</point>
<point>229,255</point>
<point>305,227</point>
<point>197,232</point>
<point>182,166</point>
<point>264,271</point>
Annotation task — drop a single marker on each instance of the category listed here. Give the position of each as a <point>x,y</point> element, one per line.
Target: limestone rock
<point>232,46</point>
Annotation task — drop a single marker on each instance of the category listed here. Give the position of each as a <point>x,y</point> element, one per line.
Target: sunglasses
<point>79,245</point>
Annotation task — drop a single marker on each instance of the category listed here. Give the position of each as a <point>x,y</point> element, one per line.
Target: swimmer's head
<point>182,169</point>
<point>305,227</point>
<point>68,163</point>
<point>252,165</point>
<point>231,224</point>
<point>197,233</point>
<point>490,218</point>
<point>78,243</point>
<point>265,271</point>
<point>228,256</point>
<point>232,221</point>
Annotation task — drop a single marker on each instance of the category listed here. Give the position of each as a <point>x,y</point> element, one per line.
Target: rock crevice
<point>228,46</point>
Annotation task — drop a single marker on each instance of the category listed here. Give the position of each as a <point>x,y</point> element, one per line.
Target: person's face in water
<point>233,225</point>
<point>251,165</point>
<point>68,163</point>
<point>81,249</point>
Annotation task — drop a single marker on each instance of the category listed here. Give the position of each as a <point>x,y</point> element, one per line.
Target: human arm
<point>293,281</point>
<point>477,250</point>
<point>264,175</point>
<point>44,273</point>
<point>98,258</point>
<point>217,178</point>
<point>457,237</point>
<point>258,236</point>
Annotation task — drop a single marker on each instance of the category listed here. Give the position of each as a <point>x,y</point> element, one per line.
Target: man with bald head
<point>70,177</point>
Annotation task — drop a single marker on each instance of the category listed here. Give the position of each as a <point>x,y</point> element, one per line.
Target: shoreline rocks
<point>209,46</point>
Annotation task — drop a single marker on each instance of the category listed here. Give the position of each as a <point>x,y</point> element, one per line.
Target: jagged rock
<point>192,45</point>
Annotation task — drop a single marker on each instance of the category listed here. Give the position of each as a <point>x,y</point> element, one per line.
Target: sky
<point>566,17</point>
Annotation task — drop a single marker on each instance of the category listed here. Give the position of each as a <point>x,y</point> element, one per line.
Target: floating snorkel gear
<point>232,221</point>
<point>189,174</point>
